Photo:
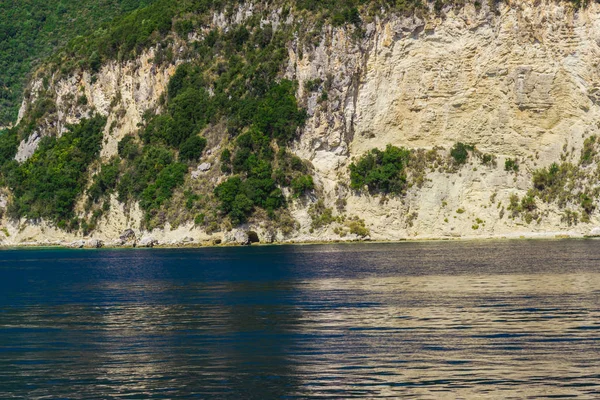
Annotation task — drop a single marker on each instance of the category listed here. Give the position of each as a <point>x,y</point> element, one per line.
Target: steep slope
<point>31,30</point>
<point>252,118</point>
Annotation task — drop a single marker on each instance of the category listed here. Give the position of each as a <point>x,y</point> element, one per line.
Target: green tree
<point>381,171</point>
<point>192,148</point>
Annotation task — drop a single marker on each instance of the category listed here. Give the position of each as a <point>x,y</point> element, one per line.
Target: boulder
<point>147,241</point>
<point>204,167</point>
<point>115,243</point>
<point>127,235</point>
<point>595,232</point>
<point>270,236</point>
<point>241,237</point>
<point>78,244</point>
<point>94,244</point>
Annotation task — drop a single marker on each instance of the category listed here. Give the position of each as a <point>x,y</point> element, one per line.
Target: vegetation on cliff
<point>49,183</point>
<point>31,30</point>
<point>381,171</point>
<point>96,31</point>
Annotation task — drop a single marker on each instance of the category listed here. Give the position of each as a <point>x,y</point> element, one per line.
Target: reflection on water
<point>426,320</point>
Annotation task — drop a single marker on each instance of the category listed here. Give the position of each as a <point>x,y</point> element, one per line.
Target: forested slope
<point>31,30</point>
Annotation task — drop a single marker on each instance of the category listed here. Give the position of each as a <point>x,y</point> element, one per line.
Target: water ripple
<point>494,320</point>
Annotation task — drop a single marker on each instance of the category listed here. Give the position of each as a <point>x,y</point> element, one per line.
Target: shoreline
<point>212,244</point>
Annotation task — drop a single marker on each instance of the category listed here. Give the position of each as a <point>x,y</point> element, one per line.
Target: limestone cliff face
<point>522,81</point>
<point>121,92</point>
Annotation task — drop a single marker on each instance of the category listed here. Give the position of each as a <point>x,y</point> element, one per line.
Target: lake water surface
<point>439,320</point>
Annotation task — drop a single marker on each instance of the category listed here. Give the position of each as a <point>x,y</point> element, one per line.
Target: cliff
<point>519,83</point>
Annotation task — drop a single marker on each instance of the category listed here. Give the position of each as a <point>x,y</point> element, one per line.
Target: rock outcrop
<point>239,237</point>
<point>77,244</point>
<point>94,244</point>
<point>147,242</point>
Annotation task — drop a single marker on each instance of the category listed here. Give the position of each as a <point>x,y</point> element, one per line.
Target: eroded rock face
<point>119,91</point>
<point>241,238</point>
<point>128,235</point>
<point>524,85</point>
<point>515,85</point>
<point>27,147</point>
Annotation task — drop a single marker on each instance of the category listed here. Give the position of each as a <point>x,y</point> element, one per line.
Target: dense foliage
<point>9,142</point>
<point>258,109</point>
<point>48,184</point>
<point>31,30</point>
<point>240,69</point>
<point>381,171</point>
<point>192,148</point>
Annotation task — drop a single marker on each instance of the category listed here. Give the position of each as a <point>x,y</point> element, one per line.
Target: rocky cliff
<point>520,82</point>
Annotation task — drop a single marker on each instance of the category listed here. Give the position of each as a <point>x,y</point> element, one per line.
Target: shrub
<point>199,220</point>
<point>570,217</point>
<point>528,203</point>
<point>588,151</point>
<point>514,205</point>
<point>226,161</point>
<point>238,197</point>
<point>460,152</point>
<point>357,226</point>
<point>302,184</point>
<point>488,159</point>
<point>347,15</point>
<point>381,171</point>
<point>511,164</point>
<point>9,143</point>
<point>128,148</point>
<point>142,172</point>
<point>321,216</point>
<point>192,148</point>
<point>546,177</point>
<point>278,115</point>
<point>313,84</point>
<point>587,203</point>
<point>233,202</point>
<point>105,181</point>
<point>157,193</point>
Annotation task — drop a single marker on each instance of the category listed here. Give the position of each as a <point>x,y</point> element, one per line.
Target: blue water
<point>497,319</point>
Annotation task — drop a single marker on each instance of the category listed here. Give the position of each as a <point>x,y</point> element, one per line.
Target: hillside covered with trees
<point>32,30</point>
